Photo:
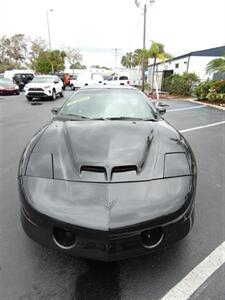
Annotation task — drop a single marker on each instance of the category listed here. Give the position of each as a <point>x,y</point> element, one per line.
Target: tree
<point>216,65</point>
<point>57,59</point>
<point>46,59</point>
<point>78,65</point>
<point>18,48</point>
<point>73,55</point>
<point>13,52</point>
<point>100,67</point>
<point>38,46</point>
<point>127,60</point>
<point>157,51</point>
<point>138,56</point>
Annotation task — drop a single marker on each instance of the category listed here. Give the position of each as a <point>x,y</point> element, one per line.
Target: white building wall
<point>198,65</point>
<point>194,64</point>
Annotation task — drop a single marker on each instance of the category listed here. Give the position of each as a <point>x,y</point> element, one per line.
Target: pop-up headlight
<point>176,164</point>
<point>40,165</point>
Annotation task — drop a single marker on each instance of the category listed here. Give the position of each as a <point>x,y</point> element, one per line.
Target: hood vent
<point>120,169</point>
<point>96,169</point>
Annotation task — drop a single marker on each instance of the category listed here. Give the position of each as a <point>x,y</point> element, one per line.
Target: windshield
<point>109,103</point>
<point>42,80</point>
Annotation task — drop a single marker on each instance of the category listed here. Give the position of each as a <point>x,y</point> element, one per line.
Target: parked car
<point>21,79</point>
<point>81,80</point>
<point>44,86</point>
<point>108,178</point>
<point>7,87</point>
<point>131,78</point>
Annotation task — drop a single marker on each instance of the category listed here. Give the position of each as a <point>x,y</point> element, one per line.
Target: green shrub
<point>213,90</point>
<point>180,85</point>
<point>202,89</point>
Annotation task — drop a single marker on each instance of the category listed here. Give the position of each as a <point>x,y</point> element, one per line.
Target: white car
<point>81,80</point>
<point>44,86</point>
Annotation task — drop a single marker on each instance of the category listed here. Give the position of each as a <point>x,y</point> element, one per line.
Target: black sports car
<point>108,178</point>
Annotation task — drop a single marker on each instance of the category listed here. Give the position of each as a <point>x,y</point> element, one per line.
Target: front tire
<point>72,87</point>
<point>53,95</point>
<point>61,93</point>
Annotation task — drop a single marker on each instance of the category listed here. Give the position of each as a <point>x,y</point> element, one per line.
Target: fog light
<point>64,238</point>
<point>152,238</point>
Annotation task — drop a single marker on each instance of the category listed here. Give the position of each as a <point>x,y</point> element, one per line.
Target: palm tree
<point>216,65</point>
<point>138,56</point>
<point>157,51</point>
<point>127,60</point>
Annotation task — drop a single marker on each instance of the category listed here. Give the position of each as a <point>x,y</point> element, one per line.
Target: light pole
<point>49,36</point>
<point>116,55</point>
<point>144,4</point>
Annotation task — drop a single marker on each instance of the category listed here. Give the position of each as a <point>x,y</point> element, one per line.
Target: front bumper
<point>112,244</point>
<point>106,246</point>
<point>39,93</point>
<point>9,92</point>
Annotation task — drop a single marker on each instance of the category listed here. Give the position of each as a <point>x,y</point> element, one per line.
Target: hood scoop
<point>120,169</point>
<point>96,169</point>
<point>108,172</point>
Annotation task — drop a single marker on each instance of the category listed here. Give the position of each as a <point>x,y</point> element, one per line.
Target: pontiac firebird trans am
<point>108,178</point>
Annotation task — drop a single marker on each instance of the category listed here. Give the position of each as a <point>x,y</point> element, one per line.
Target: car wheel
<point>17,93</point>
<point>53,95</point>
<point>29,98</point>
<point>72,87</point>
<point>61,93</point>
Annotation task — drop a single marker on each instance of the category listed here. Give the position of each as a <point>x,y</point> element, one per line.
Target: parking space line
<point>190,283</point>
<point>201,127</point>
<point>186,108</point>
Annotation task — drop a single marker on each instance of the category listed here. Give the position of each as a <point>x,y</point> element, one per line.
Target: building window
<point>176,66</point>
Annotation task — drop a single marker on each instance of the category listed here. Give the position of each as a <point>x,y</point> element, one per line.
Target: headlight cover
<point>176,164</point>
<point>40,165</point>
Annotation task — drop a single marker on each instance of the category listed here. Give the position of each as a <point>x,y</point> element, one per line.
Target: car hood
<point>108,151</point>
<point>37,85</point>
<point>9,85</point>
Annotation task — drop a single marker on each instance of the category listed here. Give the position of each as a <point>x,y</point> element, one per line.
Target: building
<point>193,62</point>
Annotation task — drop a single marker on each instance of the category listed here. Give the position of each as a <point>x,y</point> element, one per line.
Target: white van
<point>80,80</point>
<point>10,74</point>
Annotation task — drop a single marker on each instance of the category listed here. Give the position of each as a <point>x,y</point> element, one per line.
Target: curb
<point>208,104</point>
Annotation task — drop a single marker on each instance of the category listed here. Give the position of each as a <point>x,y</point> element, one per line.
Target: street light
<point>144,4</point>
<point>49,35</point>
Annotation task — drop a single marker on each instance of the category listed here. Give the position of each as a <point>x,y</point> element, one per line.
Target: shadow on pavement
<point>101,281</point>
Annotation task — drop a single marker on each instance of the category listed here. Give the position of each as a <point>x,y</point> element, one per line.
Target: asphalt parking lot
<point>30,271</point>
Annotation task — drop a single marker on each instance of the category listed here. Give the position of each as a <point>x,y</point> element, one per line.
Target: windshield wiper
<point>124,118</point>
<point>132,119</point>
<point>74,116</point>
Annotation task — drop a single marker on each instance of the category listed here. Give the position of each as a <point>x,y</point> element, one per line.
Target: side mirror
<point>161,107</point>
<point>55,110</point>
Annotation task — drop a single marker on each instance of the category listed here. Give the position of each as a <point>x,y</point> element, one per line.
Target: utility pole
<point>143,57</point>
<point>49,37</point>
<point>116,55</point>
<point>143,4</point>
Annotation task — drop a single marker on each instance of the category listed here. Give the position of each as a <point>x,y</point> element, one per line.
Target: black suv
<point>21,79</point>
